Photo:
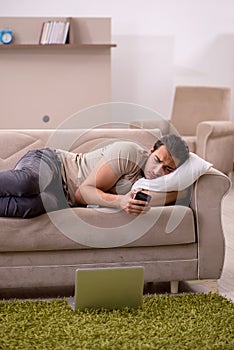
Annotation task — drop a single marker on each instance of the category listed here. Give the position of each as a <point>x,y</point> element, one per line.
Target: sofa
<point>174,243</point>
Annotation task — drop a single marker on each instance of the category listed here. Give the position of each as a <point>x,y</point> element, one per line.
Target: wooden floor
<point>226,282</point>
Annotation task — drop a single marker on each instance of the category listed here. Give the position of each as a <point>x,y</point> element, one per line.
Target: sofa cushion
<point>82,228</point>
<point>15,143</point>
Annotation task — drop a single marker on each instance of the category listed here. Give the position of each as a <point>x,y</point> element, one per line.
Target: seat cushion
<point>82,228</point>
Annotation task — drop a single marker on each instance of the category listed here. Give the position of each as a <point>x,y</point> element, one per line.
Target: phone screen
<point>142,196</point>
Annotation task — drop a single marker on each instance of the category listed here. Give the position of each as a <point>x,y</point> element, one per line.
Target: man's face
<point>159,163</point>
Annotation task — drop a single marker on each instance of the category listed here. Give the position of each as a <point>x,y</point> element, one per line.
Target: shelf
<point>56,46</point>
<point>84,33</point>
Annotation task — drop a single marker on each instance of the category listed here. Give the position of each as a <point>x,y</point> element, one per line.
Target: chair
<point>201,115</point>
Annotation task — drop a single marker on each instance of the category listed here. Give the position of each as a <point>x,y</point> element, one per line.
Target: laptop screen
<point>109,288</point>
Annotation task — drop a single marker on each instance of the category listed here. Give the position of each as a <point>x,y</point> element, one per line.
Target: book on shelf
<point>54,32</point>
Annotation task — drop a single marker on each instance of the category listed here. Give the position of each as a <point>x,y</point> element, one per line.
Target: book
<point>44,31</point>
<point>54,32</point>
<point>66,31</point>
<point>59,32</point>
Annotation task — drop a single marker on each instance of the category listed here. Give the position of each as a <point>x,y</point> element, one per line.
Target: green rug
<point>200,321</point>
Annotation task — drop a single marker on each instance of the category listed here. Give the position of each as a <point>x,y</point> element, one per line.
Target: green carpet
<point>191,321</point>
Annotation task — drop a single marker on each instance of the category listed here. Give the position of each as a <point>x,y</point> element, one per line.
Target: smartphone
<point>142,197</point>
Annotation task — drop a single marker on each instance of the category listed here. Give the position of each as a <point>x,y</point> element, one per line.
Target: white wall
<point>161,43</point>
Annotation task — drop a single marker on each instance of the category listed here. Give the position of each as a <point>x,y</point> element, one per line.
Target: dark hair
<point>175,145</point>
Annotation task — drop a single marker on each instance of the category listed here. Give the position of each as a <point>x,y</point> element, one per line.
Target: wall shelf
<point>56,46</point>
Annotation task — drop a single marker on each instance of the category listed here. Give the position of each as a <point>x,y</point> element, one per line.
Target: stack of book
<point>54,32</point>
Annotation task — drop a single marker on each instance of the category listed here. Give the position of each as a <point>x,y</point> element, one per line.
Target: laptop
<point>109,288</point>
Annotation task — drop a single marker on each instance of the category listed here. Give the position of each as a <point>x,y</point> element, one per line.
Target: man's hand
<point>133,206</point>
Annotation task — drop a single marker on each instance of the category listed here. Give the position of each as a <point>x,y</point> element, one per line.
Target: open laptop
<point>109,288</point>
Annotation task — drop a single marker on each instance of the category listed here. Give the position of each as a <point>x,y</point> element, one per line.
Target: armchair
<point>201,115</point>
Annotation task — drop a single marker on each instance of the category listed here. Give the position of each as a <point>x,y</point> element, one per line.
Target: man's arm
<point>94,190</point>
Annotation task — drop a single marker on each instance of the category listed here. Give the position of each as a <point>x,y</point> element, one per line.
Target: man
<point>102,177</point>
<point>166,155</point>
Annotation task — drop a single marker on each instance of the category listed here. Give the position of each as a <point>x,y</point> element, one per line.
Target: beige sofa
<point>173,243</point>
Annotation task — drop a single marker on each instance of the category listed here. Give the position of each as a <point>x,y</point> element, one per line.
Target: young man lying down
<point>103,177</point>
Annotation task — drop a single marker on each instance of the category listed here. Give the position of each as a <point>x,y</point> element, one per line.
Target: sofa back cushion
<point>15,143</point>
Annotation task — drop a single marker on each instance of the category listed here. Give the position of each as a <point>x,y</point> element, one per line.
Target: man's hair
<point>175,145</point>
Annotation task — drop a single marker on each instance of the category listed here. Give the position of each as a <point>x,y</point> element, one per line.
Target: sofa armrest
<point>206,202</point>
<point>215,143</point>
